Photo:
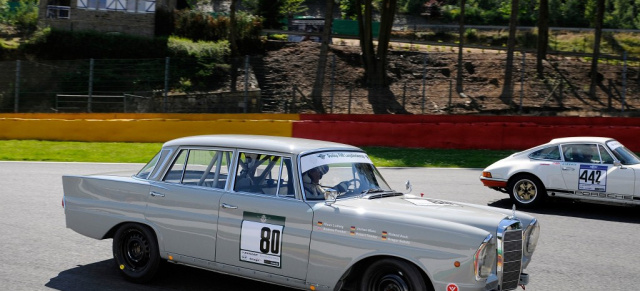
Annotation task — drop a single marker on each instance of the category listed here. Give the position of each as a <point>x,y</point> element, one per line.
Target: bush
<point>199,65</point>
<point>65,45</point>
<point>24,15</point>
<point>198,25</point>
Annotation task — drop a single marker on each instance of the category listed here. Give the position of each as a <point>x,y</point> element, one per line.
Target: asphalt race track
<point>582,246</point>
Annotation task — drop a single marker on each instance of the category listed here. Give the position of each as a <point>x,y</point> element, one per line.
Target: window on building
<point>58,9</point>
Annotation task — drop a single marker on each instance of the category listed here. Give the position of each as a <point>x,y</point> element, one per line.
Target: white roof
<point>580,139</point>
<point>260,142</point>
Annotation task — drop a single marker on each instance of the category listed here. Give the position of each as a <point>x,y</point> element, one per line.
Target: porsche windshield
<point>623,154</point>
<point>348,173</point>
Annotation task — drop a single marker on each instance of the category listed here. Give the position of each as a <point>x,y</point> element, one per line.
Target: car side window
<point>264,174</point>
<point>604,154</point>
<point>208,168</point>
<point>581,153</point>
<point>174,175</point>
<point>548,153</point>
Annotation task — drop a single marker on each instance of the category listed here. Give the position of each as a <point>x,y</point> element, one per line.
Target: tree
<point>596,48</point>
<point>543,36</point>
<point>507,88</point>
<point>270,10</point>
<point>460,48</point>
<point>318,85</point>
<point>375,61</point>
<point>232,28</point>
<point>292,7</point>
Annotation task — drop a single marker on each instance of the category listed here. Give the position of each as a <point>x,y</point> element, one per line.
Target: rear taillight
<point>62,201</point>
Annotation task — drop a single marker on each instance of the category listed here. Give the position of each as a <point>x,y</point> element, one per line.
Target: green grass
<point>116,152</point>
<point>120,152</point>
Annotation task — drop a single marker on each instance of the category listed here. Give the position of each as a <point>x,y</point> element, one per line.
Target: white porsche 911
<point>597,169</point>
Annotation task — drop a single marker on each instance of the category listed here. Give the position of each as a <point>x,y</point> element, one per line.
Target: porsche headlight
<point>531,236</point>
<point>485,258</point>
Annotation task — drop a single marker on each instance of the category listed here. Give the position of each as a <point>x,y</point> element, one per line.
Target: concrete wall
<point>417,131</point>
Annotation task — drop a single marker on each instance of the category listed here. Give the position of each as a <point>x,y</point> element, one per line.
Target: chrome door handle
<point>568,169</point>
<point>229,206</point>
<point>156,194</point>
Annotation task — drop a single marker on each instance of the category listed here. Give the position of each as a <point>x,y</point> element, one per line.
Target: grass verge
<point>120,152</point>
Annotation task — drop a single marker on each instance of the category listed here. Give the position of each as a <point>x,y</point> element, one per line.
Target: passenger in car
<point>311,182</point>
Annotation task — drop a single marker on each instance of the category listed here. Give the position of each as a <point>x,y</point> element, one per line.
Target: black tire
<point>526,191</point>
<point>135,251</point>
<point>392,275</point>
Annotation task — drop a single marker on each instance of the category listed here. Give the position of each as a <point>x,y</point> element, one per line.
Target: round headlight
<point>531,237</point>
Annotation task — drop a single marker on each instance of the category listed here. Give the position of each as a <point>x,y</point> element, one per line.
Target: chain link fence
<point>421,83</point>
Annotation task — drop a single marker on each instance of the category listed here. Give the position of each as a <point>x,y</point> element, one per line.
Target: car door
<point>547,166</point>
<point>588,168</point>
<point>621,179</point>
<point>183,205</point>
<point>263,224</point>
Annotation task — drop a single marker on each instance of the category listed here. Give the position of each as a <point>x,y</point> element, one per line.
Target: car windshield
<point>350,174</point>
<point>623,154</point>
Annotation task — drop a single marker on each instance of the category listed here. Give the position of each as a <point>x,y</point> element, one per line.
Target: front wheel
<point>526,191</point>
<point>392,275</point>
<point>135,251</point>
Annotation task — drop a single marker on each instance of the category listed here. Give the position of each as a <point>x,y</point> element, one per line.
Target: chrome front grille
<point>511,259</point>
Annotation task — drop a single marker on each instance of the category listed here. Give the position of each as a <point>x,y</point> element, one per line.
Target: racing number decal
<point>261,239</point>
<point>592,178</point>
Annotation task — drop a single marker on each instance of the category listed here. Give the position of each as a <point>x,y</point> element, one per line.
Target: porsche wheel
<point>135,251</point>
<point>526,191</point>
<point>392,275</point>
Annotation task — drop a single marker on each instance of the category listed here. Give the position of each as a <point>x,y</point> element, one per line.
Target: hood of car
<point>434,210</point>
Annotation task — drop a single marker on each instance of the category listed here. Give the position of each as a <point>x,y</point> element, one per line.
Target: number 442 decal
<point>261,239</point>
<point>592,178</point>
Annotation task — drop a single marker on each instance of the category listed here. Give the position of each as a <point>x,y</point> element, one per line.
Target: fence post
<point>624,80</point>
<point>450,92</point>
<point>404,95</point>
<point>293,97</point>
<point>90,85</point>
<point>522,82</point>
<point>333,73</point>
<point>561,89</point>
<point>165,100</point>
<point>246,83</point>
<point>424,81</point>
<point>350,92</point>
<point>17,91</point>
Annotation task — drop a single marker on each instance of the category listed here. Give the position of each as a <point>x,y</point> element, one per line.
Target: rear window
<point>548,153</point>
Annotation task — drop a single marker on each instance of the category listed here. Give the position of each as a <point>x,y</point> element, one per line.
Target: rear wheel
<point>392,275</point>
<point>135,251</point>
<point>526,191</point>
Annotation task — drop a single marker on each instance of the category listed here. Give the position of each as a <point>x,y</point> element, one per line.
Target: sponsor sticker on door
<point>592,178</point>
<point>261,239</point>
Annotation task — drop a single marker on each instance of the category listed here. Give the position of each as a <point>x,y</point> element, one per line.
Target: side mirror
<point>330,196</point>
<point>408,187</point>
<point>618,164</point>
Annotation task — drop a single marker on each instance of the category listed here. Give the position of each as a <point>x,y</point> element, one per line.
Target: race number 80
<point>269,241</point>
<point>263,238</point>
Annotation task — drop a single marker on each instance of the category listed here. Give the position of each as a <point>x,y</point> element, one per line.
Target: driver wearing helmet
<point>311,182</point>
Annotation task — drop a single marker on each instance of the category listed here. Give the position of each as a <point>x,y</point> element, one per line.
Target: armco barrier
<point>462,132</point>
<point>138,127</point>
